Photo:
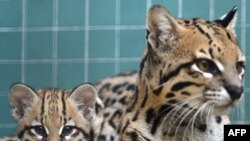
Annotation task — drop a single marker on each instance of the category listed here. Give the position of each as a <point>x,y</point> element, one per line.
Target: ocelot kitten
<point>56,114</point>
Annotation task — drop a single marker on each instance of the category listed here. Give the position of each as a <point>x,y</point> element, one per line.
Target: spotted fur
<point>115,93</point>
<point>56,114</point>
<point>190,76</point>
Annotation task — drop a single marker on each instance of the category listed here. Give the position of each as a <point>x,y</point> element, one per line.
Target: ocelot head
<point>56,114</point>
<point>195,63</point>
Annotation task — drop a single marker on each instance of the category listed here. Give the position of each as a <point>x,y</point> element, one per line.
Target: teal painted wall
<point>62,43</point>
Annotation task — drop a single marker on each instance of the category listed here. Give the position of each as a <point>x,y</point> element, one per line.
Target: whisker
<point>178,106</point>
<point>240,113</point>
<point>194,117</point>
<point>210,112</point>
<point>182,103</point>
<point>234,113</point>
<point>201,117</point>
<point>186,112</point>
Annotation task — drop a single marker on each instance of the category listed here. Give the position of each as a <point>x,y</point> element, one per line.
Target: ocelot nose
<point>235,92</point>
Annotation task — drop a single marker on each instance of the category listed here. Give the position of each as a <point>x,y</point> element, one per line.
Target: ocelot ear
<point>84,97</point>
<point>162,28</point>
<point>22,99</point>
<point>229,20</point>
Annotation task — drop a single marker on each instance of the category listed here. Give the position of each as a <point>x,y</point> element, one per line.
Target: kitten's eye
<point>240,66</point>
<point>39,130</point>
<point>67,131</point>
<point>207,66</point>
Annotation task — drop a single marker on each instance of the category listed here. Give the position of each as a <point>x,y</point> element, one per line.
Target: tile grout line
<point>243,44</point>
<point>8,125</point>
<point>211,10</point>
<point>117,35</point>
<point>82,28</point>
<point>69,60</point>
<point>86,39</point>
<point>4,0</point>
<point>148,5</point>
<point>243,25</point>
<point>55,43</point>
<point>72,28</point>
<point>24,41</point>
<point>180,8</point>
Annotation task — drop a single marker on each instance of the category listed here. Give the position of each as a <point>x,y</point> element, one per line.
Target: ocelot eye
<point>39,130</point>
<point>240,66</point>
<point>207,66</point>
<point>67,131</point>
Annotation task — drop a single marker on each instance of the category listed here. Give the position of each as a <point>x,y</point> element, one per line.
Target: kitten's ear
<point>229,19</point>
<point>162,26</point>
<point>22,99</point>
<point>84,96</point>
